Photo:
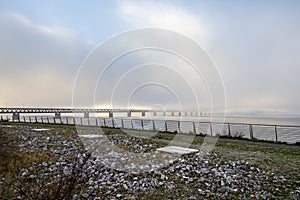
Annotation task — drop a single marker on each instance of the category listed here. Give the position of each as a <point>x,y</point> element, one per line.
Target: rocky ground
<point>55,164</point>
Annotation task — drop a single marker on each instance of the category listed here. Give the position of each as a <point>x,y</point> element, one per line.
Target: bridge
<point>86,112</point>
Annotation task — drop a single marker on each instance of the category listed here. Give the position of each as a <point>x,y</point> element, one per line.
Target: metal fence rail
<point>276,133</point>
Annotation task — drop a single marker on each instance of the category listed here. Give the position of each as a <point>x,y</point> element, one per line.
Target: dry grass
<point>11,158</point>
<point>12,185</point>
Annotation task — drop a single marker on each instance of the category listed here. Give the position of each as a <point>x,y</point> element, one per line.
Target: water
<point>231,119</point>
<point>262,128</point>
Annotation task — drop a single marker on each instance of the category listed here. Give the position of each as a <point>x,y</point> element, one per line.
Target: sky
<point>254,46</point>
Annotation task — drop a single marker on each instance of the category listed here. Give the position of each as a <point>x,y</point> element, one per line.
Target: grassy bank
<point>278,161</point>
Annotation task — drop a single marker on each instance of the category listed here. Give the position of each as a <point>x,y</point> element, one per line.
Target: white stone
<point>90,136</point>
<point>177,150</point>
<point>40,129</point>
<point>44,164</point>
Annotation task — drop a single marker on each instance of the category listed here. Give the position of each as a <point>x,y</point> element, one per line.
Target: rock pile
<point>195,176</point>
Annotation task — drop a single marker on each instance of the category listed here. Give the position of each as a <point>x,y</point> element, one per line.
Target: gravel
<point>195,176</point>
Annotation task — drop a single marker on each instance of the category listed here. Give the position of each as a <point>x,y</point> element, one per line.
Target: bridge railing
<point>276,133</point>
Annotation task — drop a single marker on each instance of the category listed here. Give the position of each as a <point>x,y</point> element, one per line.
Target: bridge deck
<point>66,110</point>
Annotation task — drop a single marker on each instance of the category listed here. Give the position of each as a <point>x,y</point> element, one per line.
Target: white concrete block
<point>40,129</point>
<point>177,150</point>
<point>90,136</point>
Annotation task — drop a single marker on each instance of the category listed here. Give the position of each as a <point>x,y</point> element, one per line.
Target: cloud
<point>38,62</point>
<point>59,32</point>
<point>149,76</point>
<point>257,55</point>
<point>139,14</point>
<point>255,47</point>
<point>143,14</point>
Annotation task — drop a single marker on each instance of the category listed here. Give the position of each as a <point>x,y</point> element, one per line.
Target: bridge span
<point>86,112</point>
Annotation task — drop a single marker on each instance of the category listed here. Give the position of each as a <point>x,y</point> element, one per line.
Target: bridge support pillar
<point>143,113</point>
<point>86,115</point>
<point>16,116</point>
<point>110,114</point>
<point>129,114</point>
<point>57,115</point>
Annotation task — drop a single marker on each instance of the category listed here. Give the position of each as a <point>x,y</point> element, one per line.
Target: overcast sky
<point>255,46</point>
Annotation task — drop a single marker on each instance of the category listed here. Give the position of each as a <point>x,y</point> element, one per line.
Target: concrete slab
<point>90,136</point>
<point>40,129</point>
<point>177,150</point>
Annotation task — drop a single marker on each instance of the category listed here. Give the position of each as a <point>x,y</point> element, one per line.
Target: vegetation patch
<point>54,164</point>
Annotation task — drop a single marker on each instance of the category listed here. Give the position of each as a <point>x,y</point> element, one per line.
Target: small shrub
<point>173,132</point>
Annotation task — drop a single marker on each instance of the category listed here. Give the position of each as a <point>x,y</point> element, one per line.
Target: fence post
<point>48,120</point>
<point>42,120</point>
<point>122,123</point>
<point>67,120</point>
<point>210,127</point>
<point>178,126</point>
<point>29,119</point>
<point>251,131</point>
<point>131,123</point>
<point>88,121</point>
<point>194,128</point>
<point>54,120</point>
<point>113,122</point>
<point>24,119</point>
<point>81,121</point>
<point>1,118</point>
<point>35,119</point>
<point>153,123</point>
<point>166,126</point>
<point>276,136</point>
<point>96,122</point>
<point>142,123</point>
<point>74,121</point>
<point>229,131</point>
<point>104,122</point>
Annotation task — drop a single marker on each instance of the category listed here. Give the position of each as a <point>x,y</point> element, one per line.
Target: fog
<point>253,47</point>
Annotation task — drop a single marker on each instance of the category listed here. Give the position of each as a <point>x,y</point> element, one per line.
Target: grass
<point>11,158</point>
<point>12,161</point>
<point>277,158</point>
<point>273,159</point>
